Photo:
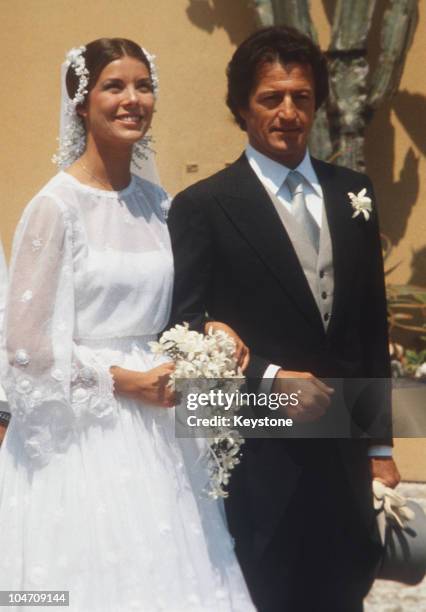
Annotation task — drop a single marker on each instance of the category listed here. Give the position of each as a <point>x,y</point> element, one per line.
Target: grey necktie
<point>299,209</point>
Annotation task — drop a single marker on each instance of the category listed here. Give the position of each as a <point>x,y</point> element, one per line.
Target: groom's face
<point>281,111</point>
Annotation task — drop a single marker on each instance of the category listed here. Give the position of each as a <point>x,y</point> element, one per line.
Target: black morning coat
<point>234,263</point>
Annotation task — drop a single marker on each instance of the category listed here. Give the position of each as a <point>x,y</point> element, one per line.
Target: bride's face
<point>120,106</point>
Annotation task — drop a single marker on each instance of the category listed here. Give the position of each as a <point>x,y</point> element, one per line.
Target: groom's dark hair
<point>268,45</point>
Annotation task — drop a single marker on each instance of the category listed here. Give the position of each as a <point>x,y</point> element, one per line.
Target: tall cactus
<point>354,94</point>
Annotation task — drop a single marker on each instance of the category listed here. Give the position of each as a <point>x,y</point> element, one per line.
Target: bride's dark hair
<point>98,54</point>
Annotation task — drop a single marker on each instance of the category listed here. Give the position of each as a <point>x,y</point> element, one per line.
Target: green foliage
<point>412,361</point>
<point>415,358</point>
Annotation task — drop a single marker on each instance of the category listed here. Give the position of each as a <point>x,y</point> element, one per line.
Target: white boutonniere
<point>361,204</point>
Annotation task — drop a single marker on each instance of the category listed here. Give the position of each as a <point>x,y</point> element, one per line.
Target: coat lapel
<point>249,207</point>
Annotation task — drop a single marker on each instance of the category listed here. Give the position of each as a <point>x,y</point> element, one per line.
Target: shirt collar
<point>272,174</point>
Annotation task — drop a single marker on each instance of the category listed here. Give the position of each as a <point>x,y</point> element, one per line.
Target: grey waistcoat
<point>318,268</point>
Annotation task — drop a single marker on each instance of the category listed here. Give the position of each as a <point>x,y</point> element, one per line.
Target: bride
<point>97,496</point>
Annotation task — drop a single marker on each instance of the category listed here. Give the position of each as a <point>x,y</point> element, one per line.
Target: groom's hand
<point>242,351</point>
<point>314,395</point>
<point>385,470</point>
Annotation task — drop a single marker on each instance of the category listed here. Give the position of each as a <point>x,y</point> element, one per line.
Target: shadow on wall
<point>410,108</point>
<point>397,194</point>
<point>418,266</point>
<point>397,197</point>
<point>236,17</point>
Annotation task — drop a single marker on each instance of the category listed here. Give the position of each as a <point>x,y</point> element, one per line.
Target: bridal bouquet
<point>209,356</point>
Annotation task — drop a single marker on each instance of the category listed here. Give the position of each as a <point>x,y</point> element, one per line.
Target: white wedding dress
<point>97,496</point>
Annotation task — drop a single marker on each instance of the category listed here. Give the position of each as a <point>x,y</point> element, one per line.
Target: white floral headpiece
<point>75,59</point>
<point>153,70</point>
<point>72,139</point>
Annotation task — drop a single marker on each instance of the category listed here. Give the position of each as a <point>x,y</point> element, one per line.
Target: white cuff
<point>268,378</point>
<point>380,451</point>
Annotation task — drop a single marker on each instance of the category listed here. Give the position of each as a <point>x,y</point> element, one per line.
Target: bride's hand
<point>242,352</point>
<point>149,387</point>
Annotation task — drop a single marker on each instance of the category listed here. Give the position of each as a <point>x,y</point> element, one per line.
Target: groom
<point>270,246</point>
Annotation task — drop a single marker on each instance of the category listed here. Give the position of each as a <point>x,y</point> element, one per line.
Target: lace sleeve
<point>50,391</point>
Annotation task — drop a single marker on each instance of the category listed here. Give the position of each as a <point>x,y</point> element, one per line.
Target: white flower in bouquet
<point>210,356</point>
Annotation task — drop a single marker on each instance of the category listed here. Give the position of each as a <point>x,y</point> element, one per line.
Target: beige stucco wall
<point>192,124</point>
<point>193,40</point>
<point>395,150</point>
<point>395,155</point>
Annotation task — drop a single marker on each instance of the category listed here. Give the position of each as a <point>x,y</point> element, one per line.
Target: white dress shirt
<point>273,175</point>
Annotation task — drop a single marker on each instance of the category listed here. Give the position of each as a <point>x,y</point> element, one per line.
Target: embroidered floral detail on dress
<point>57,374</point>
<point>88,376</point>
<point>102,406</point>
<point>91,391</point>
<point>24,386</point>
<point>36,398</point>
<point>27,296</point>
<point>48,418</point>
<point>21,357</point>
<point>79,395</point>
<point>37,243</point>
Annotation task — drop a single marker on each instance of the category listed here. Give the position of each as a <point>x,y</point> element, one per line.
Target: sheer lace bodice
<point>87,265</point>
